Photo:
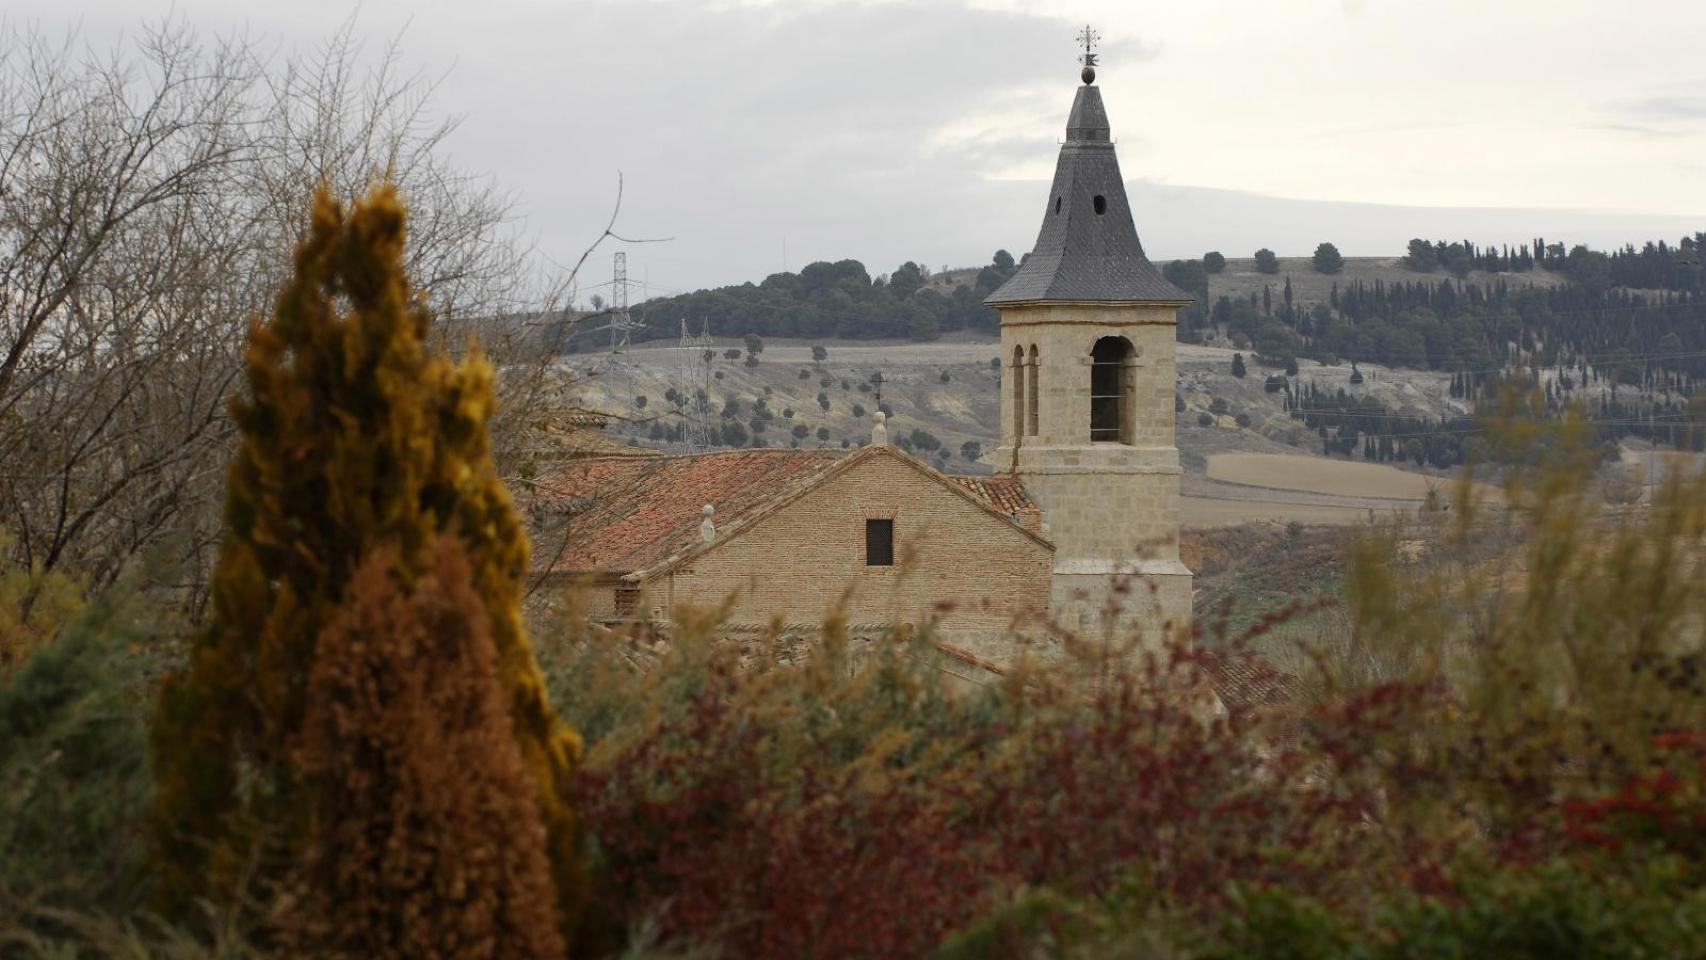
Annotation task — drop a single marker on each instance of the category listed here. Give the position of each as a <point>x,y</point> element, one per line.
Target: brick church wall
<point>800,561</point>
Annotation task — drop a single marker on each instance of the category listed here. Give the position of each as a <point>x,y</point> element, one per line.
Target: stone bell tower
<point>1087,340</point>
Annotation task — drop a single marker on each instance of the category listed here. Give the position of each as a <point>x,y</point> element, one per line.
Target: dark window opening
<point>1101,204</point>
<point>1018,391</point>
<point>879,543</point>
<point>1109,390</point>
<point>1031,373</point>
<point>627,601</point>
<point>1056,204</point>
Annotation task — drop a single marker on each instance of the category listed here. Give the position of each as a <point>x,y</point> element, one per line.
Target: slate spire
<point>1087,249</point>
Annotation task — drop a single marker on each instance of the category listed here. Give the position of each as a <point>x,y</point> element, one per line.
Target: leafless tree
<point>150,197</point>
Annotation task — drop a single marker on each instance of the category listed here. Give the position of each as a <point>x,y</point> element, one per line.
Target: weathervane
<point>1089,38</point>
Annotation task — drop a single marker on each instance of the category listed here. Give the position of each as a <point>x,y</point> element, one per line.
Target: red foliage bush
<point>1665,807</point>
<point>727,824</point>
<point>702,832</point>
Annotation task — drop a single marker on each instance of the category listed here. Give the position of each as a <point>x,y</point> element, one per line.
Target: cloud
<point>1665,112</point>
<point>848,132</point>
<point>1683,107</point>
<point>1639,130</point>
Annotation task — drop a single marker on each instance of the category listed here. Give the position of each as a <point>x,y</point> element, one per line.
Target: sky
<point>759,136</point>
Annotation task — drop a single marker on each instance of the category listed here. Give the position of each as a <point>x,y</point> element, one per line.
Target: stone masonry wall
<point>798,562</point>
<point>1112,508</point>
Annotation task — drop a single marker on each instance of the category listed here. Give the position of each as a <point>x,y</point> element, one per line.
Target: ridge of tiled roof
<point>1251,681</point>
<point>1007,494</point>
<point>629,513</point>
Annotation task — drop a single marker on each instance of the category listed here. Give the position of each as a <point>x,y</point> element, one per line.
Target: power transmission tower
<point>693,387</point>
<point>621,324</point>
<point>617,372</point>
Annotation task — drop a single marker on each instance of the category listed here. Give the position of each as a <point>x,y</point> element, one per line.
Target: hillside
<point>1309,287</point>
<point>965,408</point>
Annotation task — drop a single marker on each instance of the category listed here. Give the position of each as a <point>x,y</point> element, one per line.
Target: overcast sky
<point>888,131</point>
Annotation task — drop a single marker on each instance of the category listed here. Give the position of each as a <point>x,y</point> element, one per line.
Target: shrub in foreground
<point>354,434</point>
<point>424,837</point>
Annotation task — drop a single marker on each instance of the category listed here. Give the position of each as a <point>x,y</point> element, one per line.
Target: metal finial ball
<point>1089,74</point>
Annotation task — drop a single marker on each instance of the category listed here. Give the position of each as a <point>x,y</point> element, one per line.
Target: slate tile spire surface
<point>1087,250</point>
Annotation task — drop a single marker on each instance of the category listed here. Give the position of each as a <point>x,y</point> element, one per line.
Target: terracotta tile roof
<point>630,513</point>
<point>1007,495</point>
<point>1251,681</point>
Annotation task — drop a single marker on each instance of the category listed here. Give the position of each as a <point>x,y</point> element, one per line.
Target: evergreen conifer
<point>354,435</point>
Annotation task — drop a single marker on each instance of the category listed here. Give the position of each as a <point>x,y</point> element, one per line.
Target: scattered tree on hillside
<point>906,280</point>
<point>1421,256</point>
<point>1327,259</point>
<point>1238,368</point>
<point>924,440</point>
<point>1213,261</point>
<point>1266,262</point>
<point>1187,275</point>
<point>819,354</point>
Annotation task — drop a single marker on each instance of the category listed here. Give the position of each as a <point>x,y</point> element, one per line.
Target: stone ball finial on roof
<point>1088,38</point>
<point>880,433</point>
<point>707,529</point>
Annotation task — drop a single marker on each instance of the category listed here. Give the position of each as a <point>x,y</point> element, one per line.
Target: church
<point>1076,531</point>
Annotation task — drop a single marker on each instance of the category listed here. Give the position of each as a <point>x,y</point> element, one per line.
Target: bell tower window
<point>1110,390</point>
<point>1018,373</point>
<point>1032,370</point>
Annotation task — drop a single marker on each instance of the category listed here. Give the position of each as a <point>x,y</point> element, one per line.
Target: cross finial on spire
<point>1089,38</point>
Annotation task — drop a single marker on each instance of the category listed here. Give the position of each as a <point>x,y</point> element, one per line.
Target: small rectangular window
<point>879,543</point>
<point>627,601</point>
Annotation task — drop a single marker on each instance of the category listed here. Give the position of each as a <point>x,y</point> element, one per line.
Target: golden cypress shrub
<point>424,839</point>
<point>353,434</point>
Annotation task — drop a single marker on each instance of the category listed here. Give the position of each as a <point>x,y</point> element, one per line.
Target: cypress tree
<point>353,435</point>
<point>425,839</point>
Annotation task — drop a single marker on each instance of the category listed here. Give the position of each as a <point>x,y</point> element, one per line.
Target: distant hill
<point>1241,279</point>
<point>1637,314</point>
<point>833,300</point>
